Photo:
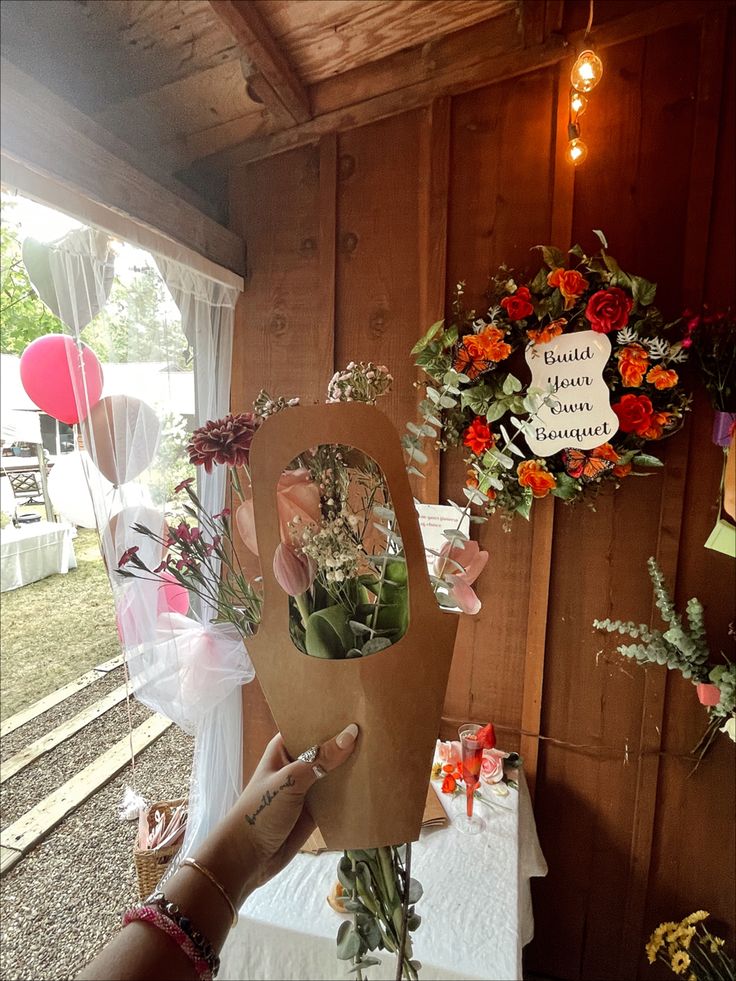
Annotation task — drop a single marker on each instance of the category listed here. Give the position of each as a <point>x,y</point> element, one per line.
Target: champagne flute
<point>469,823</point>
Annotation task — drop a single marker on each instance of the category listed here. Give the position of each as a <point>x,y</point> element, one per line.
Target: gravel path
<point>62,901</point>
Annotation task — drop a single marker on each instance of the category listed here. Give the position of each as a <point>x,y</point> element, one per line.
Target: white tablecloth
<point>476,909</point>
<point>35,551</point>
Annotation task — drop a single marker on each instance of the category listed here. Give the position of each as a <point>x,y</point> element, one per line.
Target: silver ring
<point>309,755</point>
<point>318,771</point>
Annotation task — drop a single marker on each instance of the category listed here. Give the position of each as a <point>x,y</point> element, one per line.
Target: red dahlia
<point>224,441</point>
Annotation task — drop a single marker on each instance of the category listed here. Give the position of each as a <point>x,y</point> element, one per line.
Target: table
<point>30,553</point>
<point>476,909</point>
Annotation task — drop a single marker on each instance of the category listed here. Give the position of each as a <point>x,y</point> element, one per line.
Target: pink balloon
<point>172,596</point>
<point>55,377</point>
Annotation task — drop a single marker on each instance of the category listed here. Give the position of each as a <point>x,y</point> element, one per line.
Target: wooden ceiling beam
<point>440,74</point>
<point>278,84</point>
<point>49,140</point>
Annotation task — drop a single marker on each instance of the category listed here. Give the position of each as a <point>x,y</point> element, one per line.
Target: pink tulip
<point>297,496</point>
<point>449,752</point>
<point>294,571</point>
<point>460,564</point>
<point>468,555</point>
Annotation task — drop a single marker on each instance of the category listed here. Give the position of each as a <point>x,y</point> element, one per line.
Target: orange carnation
<point>570,283</point>
<point>633,361</point>
<point>657,425</point>
<point>606,452</point>
<point>494,346</point>
<point>544,334</point>
<point>534,474</point>
<point>662,377</point>
<point>449,784</point>
<point>471,357</point>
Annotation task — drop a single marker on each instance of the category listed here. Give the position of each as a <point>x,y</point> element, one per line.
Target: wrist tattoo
<point>267,798</point>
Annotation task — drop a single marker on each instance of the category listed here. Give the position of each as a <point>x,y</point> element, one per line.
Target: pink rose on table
<point>491,768</point>
<point>449,752</point>
<point>609,310</point>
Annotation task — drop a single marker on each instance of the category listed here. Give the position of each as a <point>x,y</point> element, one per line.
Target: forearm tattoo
<point>267,798</point>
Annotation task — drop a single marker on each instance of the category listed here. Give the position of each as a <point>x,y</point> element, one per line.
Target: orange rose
<point>662,377</point>
<point>633,361</point>
<point>657,425</point>
<point>544,334</point>
<point>494,346</point>
<point>605,452</point>
<point>622,470</point>
<point>534,474</point>
<point>570,283</point>
<point>449,784</point>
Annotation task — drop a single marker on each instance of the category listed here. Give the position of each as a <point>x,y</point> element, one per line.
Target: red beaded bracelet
<point>156,917</point>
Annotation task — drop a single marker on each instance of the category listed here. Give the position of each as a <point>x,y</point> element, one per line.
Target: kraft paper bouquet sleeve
<point>396,694</point>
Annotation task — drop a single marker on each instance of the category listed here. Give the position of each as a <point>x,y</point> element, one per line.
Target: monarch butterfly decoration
<point>589,464</point>
<point>471,362</point>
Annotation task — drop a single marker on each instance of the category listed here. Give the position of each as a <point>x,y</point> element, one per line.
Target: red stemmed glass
<point>469,823</point>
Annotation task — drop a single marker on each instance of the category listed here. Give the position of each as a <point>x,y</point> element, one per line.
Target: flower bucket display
<point>396,694</point>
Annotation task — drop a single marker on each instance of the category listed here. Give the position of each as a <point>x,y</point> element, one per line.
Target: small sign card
<point>580,414</point>
<point>433,520</point>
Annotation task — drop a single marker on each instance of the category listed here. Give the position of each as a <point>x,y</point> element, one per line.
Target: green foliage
<point>23,317</point>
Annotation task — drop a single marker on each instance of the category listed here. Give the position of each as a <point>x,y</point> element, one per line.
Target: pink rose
<point>491,768</point>
<point>449,752</point>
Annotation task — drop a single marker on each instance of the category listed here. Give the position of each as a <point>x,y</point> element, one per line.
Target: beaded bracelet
<point>167,917</point>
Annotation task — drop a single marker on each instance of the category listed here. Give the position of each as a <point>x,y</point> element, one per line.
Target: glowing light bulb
<point>578,104</point>
<point>586,72</point>
<point>576,152</point>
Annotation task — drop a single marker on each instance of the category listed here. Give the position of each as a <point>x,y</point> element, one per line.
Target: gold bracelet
<point>215,883</point>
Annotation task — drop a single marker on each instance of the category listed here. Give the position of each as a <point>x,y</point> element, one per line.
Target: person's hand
<point>269,824</point>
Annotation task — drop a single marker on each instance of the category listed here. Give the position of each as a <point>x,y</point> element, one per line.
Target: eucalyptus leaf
<point>645,460</point>
<point>495,411</point>
<point>511,384</point>
<point>416,890</point>
<point>348,941</point>
<point>374,645</point>
<point>364,963</point>
<point>601,236</point>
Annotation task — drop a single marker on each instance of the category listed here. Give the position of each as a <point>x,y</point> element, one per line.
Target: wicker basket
<point>150,864</point>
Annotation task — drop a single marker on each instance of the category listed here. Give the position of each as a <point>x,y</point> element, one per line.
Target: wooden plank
<point>536,636</point>
<point>324,39</point>
<point>48,701</point>
<point>251,33</point>
<point>38,747</point>
<point>40,137</point>
<point>454,79</point>
<point>704,145</point>
<point>328,237</point>
<point>35,824</point>
<point>434,178</point>
<point>110,665</point>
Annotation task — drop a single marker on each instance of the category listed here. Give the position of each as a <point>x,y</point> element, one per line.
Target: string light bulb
<point>587,71</point>
<point>578,104</point>
<point>576,152</point>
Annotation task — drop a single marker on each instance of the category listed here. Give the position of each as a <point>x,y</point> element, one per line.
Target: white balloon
<point>78,501</point>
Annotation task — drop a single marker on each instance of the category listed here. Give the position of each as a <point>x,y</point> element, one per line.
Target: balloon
<point>69,491</point>
<point>122,433</point>
<point>59,381</point>
<point>119,535</point>
<point>172,596</point>
<point>86,276</point>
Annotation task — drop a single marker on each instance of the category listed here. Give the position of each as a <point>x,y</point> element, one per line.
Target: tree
<point>23,317</point>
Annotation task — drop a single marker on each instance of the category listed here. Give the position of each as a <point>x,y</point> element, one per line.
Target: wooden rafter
<point>352,103</point>
<point>277,83</point>
<point>55,140</point>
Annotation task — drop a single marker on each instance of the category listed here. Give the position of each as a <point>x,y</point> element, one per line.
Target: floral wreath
<point>476,370</point>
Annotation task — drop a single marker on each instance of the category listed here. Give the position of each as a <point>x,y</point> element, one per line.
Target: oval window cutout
<point>341,556</point>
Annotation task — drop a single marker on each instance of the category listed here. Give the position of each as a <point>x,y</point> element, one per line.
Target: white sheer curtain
<point>179,662</point>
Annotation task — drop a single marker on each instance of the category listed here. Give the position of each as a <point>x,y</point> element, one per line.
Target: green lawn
<point>56,629</point>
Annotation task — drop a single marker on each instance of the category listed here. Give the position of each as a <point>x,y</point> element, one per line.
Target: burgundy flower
<point>224,441</point>
<point>127,556</point>
<point>185,483</point>
<point>162,565</point>
<point>225,513</point>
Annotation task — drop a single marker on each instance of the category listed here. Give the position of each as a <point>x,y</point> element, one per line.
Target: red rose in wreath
<point>519,304</point>
<point>634,414</point>
<point>609,310</point>
<point>478,436</point>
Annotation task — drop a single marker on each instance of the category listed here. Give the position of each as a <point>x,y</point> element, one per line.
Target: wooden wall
<point>354,245</point>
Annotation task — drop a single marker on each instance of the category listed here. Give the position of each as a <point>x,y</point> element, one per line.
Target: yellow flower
<point>686,935</point>
<point>436,771</point>
<point>665,928</point>
<point>680,961</point>
<point>652,947</point>
<point>715,944</point>
<point>696,917</point>
<point>692,977</point>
